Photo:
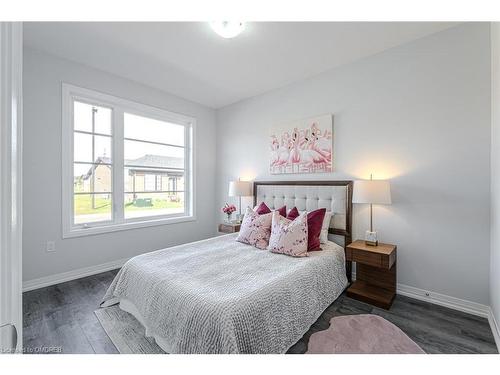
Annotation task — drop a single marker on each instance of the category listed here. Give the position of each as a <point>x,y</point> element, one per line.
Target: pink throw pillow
<point>255,229</point>
<point>262,209</point>
<point>293,214</point>
<point>282,211</point>
<point>314,224</point>
<point>288,236</point>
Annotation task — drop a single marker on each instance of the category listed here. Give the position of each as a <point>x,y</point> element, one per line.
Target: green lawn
<point>83,205</point>
<point>157,203</point>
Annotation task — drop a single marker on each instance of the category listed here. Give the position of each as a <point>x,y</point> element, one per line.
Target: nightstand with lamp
<point>236,189</point>
<point>375,262</point>
<point>371,192</point>
<point>240,189</point>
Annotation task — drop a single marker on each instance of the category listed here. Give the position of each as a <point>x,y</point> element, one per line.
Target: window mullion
<point>118,161</point>
<point>188,167</point>
<point>92,184</point>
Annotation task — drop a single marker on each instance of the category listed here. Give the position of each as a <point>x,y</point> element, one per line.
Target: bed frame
<point>309,195</point>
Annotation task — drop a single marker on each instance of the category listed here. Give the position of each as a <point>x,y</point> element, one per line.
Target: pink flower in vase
<point>228,209</point>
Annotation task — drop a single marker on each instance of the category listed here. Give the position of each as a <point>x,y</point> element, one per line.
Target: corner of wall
<point>494,279</point>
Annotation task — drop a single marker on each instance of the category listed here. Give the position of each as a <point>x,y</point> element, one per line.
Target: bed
<point>222,296</point>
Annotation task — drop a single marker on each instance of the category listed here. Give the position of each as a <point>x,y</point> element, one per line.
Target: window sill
<point>80,232</point>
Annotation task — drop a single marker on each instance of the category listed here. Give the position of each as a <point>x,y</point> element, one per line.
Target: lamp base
<point>371,238</point>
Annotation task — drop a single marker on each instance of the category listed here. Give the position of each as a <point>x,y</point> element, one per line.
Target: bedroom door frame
<point>11,59</point>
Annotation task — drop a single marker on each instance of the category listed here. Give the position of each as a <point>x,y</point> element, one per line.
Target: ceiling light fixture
<point>227,29</point>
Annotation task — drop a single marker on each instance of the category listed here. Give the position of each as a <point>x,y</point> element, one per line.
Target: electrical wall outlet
<point>51,246</point>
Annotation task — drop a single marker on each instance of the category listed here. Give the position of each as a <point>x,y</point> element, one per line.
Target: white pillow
<point>323,237</point>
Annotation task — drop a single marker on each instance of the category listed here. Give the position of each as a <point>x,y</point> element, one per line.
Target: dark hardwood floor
<point>61,318</point>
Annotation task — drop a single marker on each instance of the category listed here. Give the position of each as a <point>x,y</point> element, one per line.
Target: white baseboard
<point>72,275</point>
<point>453,303</point>
<point>441,299</point>
<point>495,328</point>
<point>444,300</point>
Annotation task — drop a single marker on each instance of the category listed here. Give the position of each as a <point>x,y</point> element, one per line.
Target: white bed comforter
<point>222,296</point>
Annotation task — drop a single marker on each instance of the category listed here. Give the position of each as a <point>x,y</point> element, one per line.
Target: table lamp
<point>371,192</point>
<point>240,189</point>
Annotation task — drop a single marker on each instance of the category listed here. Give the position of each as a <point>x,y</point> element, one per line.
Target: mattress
<point>222,296</point>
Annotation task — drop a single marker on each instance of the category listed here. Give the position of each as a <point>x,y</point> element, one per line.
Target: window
<point>125,164</point>
<point>92,164</point>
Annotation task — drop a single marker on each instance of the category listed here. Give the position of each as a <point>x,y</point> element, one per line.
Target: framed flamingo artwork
<point>303,146</point>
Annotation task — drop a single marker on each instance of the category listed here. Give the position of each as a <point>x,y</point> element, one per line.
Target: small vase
<point>228,218</point>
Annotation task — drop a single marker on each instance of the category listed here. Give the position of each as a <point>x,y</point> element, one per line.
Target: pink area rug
<point>362,334</point>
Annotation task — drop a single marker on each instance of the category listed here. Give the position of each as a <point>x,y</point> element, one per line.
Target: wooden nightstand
<point>375,273</point>
<point>229,227</point>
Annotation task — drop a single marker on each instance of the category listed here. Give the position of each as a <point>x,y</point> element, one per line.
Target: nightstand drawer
<point>229,228</point>
<point>364,257</point>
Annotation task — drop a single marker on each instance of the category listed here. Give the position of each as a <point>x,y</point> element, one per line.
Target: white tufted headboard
<point>335,196</point>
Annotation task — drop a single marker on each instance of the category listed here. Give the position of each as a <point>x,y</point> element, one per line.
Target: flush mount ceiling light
<point>227,29</point>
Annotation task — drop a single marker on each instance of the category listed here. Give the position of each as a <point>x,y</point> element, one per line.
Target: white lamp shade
<point>372,191</point>
<point>240,189</point>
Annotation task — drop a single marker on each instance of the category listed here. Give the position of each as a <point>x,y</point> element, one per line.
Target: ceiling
<point>189,60</point>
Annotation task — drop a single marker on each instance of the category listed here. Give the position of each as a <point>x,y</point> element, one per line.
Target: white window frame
<point>119,106</point>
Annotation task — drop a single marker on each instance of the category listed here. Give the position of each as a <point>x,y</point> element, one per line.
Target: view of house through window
<point>126,166</point>
<point>154,167</point>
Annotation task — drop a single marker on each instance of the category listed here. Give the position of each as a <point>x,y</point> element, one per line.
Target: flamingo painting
<point>305,146</point>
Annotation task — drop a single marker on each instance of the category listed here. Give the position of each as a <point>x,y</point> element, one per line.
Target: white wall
<point>418,114</point>
<point>495,172</point>
<point>43,75</point>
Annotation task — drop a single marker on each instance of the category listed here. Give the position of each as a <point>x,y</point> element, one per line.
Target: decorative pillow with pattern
<point>288,236</point>
<point>255,229</point>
